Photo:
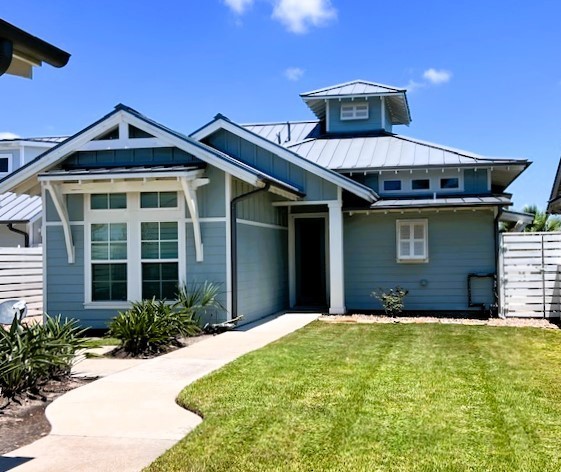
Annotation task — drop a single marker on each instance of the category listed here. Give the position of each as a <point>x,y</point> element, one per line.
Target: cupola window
<point>354,111</point>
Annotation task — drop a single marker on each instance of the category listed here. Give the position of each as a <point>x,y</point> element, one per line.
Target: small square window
<point>158,200</point>
<point>392,185</point>
<point>412,240</point>
<point>420,184</point>
<point>450,183</point>
<point>4,164</point>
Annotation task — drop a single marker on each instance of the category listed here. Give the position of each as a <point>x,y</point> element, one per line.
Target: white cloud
<point>436,77</point>
<point>8,135</point>
<point>294,73</point>
<point>298,15</point>
<point>239,6</point>
<point>413,85</point>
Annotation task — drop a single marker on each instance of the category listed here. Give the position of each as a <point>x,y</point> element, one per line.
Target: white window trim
<point>133,216</point>
<point>353,107</point>
<point>412,259</point>
<point>10,163</point>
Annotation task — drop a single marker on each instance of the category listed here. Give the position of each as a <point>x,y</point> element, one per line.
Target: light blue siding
<point>459,243</point>
<point>129,157</point>
<point>313,186</point>
<point>211,197</point>
<point>213,268</point>
<point>258,207</point>
<point>475,182</point>
<point>74,204</point>
<point>262,271</point>
<point>373,123</point>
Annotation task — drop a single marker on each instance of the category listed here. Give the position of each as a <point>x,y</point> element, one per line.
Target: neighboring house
<point>314,214</point>
<point>554,204</point>
<point>20,215</point>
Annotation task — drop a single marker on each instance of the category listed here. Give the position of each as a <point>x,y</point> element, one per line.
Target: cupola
<point>359,107</point>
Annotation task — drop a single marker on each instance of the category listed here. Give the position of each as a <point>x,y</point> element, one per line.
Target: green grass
<point>398,397</point>
<point>92,343</point>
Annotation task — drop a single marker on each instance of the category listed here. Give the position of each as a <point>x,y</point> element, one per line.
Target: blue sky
<point>483,76</point>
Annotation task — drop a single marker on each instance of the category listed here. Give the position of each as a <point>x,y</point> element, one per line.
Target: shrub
<point>148,327</point>
<point>30,355</point>
<point>392,299</point>
<point>152,326</point>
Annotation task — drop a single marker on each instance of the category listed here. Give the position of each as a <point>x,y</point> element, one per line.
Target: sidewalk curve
<point>126,420</point>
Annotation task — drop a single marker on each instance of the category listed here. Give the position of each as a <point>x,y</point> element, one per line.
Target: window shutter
<point>412,240</point>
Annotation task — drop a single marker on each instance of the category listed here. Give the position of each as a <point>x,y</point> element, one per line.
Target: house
<point>313,214</point>
<point>20,215</point>
<point>554,203</point>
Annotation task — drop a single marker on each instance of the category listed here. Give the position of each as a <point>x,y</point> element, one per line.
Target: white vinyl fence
<point>21,277</point>
<point>530,277</point>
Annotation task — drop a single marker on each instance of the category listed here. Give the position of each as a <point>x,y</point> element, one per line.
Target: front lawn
<point>378,397</point>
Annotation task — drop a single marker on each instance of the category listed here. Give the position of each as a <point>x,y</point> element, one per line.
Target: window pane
<point>100,291</point>
<point>100,251</point>
<point>168,200</point>
<point>118,251</point>
<point>419,248</point>
<point>149,231</point>
<point>109,282</point>
<point>418,231</point>
<point>119,291</point>
<point>404,248</point>
<point>150,251</point>
<point>4,164</point>
<point>117,201</point>
<point>150,290</point>
<point>169,271</point>
<point>118,231</point>
<point>118,271</point>
<point>98,201</point>
<point>101,272</point>
<point>404,232</point>
<point>151,271</point>
<point>100,232</point>
<point>420,184</point>
<point>168,250</point>
<point>168,231</point>
<point>149,200</point>
<point>453,182</point>
<point>169,290</point>
<point>392,185</point>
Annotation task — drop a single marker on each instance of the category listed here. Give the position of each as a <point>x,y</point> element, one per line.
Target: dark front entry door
<point>310,261</point>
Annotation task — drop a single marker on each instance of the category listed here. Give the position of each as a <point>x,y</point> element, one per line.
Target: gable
<point>315,187</point>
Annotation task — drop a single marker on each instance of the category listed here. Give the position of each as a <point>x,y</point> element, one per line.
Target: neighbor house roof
<point>554,204</point>
<point>19,208</point>
<point>395,98</point>
<point>21,51</point>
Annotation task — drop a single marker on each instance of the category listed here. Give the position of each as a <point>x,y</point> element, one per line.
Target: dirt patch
<point>515,322</point>
<point>23,422</point>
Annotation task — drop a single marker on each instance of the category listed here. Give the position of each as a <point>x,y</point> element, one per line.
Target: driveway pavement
<point>123,421</point>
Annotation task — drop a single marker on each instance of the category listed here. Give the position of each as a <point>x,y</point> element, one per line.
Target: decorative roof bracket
<point>190,191</point>
<point>62,210</point>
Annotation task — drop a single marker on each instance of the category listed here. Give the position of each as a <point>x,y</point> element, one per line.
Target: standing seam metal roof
<point>17,208</point>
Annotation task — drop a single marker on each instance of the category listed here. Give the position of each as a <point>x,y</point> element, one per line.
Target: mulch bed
<point>24,421</point>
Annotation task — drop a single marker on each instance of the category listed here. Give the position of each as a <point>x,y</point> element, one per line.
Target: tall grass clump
<point>31,355</point>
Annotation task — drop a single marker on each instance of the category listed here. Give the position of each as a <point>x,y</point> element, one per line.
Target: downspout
<point>19,231</point>
<point>234,243</point>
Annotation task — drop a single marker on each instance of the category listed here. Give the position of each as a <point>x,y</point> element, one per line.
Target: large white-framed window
<point>412,240</point>
<point>354,111</point>
<point>133,253</point>
<point>5,164</point>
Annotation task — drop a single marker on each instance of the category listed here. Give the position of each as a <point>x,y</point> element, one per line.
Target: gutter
<point>234,243</point>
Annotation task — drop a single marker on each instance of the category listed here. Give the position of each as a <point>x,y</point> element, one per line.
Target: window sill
<point>107,305</point>
<point>412,261</point>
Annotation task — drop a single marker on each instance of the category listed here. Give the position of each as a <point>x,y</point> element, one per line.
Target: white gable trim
<point>290,156</point>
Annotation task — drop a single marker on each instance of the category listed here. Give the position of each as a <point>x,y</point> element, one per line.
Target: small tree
<point>392,299</point>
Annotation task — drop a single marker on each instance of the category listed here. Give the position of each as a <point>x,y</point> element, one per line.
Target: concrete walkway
<point>124,421</point>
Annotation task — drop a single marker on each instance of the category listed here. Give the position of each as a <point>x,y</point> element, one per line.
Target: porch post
<point>336,261</point>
